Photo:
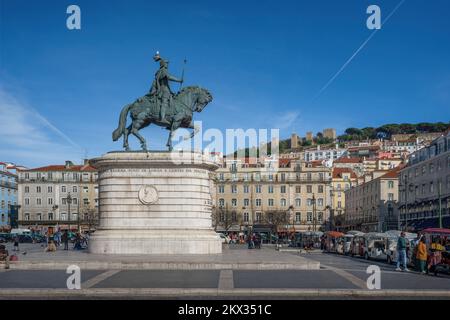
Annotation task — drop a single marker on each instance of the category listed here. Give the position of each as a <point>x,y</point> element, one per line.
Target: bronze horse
<point>145,111</point>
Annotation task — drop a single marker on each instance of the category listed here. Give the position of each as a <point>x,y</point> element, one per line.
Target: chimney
<point>68,164</point>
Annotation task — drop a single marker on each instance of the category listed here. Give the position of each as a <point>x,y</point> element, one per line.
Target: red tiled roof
<point>283,163</point>
<point>348,160</point>
<point>364,148</point>
<point>62,168</point>
<point>315,163</point>
<point>392,173</point>
<point>337,173</point>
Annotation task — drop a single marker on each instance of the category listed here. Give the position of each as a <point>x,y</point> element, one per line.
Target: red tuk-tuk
<point>331,240</point>
<point>438,245</point>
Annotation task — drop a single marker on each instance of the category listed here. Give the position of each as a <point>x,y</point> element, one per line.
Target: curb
<point>309,265</point>
<point>182,292</point>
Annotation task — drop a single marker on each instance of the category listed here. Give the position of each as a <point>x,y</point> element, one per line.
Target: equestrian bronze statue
<point>162,107</point>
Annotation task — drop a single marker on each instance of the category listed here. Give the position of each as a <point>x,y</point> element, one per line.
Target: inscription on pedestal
<point>150,172</point>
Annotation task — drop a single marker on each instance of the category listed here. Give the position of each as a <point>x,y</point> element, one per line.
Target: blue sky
<point>265,62</point>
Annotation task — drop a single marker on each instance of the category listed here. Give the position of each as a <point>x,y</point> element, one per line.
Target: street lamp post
<point>291,213</point>
<point>69,201</point>
<point>331,208</point>
<point>406,188</point>
<point>314,212</point>
<point>78,215</point>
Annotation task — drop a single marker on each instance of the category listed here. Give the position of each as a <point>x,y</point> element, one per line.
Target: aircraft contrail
<point>355,53</point>
<point>55,129</point>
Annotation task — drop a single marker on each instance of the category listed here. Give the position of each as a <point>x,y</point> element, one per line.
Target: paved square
<point>404,280</point>
<point>40,278</point>
<point>308,279</point>
<point>162,279</point>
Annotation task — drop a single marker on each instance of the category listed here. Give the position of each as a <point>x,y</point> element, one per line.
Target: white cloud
<point>28,138</point>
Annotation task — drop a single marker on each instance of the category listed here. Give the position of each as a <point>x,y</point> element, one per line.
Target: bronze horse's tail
<point>122,123</point>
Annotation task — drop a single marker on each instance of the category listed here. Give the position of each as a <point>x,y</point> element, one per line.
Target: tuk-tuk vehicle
<point>357,246</point>
<point>375,246</point>
<point>344,244</point>
<point>333,241</point>
<point>308,239</point>
<point>438,244</point>
<point>348,239</point>
<point>391,246</point>
<point>391,249</point>
<point>340,245</point>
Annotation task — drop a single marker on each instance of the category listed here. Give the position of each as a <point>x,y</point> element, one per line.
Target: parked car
<point>4,237</point>
<point>25,238</point>
<point>21,231</point>
<point>7,236</point>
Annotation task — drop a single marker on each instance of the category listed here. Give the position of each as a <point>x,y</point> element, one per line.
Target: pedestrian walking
<point>16,243</point>
<point>251,241</point>
<point>77,245</point>
<point>422,255</point>
<point>65,239</point>
<point>51,247</point>
<point>401,253</point>
<point>322,243</point>
<point>257,241</point>
<point>4,256</point>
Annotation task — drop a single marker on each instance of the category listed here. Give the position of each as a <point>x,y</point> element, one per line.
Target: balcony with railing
<point>8,184</point>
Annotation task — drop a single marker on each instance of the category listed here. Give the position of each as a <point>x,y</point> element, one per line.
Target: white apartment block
<point>58,196</point>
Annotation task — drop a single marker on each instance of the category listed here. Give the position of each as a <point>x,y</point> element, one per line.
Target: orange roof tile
<point>337,173</point>
<point>283,163</point>
<point>348,160</point>
<point>393,173</point>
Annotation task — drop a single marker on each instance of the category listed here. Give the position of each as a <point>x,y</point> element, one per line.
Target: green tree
<point>353,131</point>
<point>369,133</point>
<point>407,128</point>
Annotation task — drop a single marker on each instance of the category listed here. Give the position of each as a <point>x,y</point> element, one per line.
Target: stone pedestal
<point>155,203</point>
